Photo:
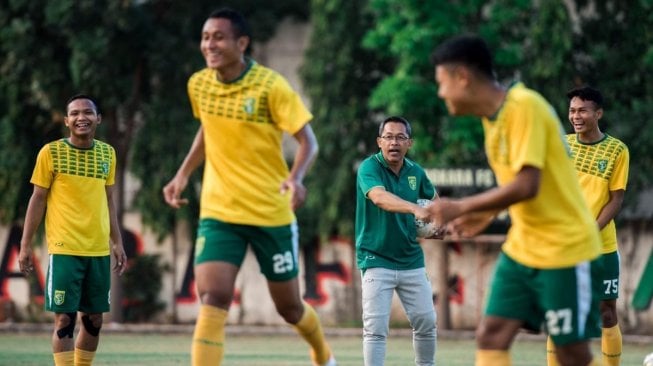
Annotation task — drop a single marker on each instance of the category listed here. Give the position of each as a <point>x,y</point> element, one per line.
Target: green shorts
<point>609,277</point>
<point>275,247</point>
<point>76,283</point>
<point>563,301</point>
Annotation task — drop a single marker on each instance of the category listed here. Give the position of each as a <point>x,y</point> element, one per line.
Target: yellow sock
<point>594,362</point>
<point>611,345</point>
<point>208,338</point>
<point>486,357</point>
<point>66,358</point>
<point>83,357</point>
<point>551,359</point>
<point>310,329</point>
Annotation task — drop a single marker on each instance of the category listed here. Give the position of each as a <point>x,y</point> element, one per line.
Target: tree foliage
<point>134,57</point>
<point>338,76</point>
<point>614,52</point>
<point>551,45</point>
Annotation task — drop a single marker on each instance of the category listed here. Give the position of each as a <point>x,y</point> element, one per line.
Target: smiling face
<point>584,116</point>
<point>394,143</point>
<point>82,120</point>
<point>221,48</point>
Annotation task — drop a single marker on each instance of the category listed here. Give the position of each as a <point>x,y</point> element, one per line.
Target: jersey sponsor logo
<point>601,165</point>
<point>412,182</point>
<point>59,297</point>
<point>249,105</point>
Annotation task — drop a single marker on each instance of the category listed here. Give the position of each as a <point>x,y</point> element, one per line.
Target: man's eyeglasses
<point>398,138</point>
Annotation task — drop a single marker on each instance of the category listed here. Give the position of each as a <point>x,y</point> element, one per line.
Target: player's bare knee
<point>92,323</point>
<point>216,299</point>
<point>291,314</point>
<point>66,325</point>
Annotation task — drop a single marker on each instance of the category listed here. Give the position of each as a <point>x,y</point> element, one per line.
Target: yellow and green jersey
<point>77,211</point>
<point>243,123</point>
<point>602,167</point>
<point>555,229</point>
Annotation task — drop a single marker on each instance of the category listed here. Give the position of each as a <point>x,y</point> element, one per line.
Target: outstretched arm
<point>172,191</point>
<point>392,203</point>
<point>304,157</point>
<point>524,187</point>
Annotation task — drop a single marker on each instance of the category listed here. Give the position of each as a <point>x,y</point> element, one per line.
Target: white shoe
<point>330,362</point>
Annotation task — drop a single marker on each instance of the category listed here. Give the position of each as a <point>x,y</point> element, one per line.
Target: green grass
<point>269,350</point>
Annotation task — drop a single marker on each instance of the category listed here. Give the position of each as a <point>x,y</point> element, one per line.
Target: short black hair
<point>396,119</point>
<point>238,22</point>
<point>468,50</point>
<point>83,96</point>
<point>587,93</point>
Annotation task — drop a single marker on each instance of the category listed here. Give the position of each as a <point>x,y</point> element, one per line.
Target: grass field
<point>268,350</point>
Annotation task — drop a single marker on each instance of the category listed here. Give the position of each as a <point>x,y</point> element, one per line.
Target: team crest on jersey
<point>105,167</point>
<point>59,297</point>
<point>412,182</point>
<point>602,165</point>
<point>248,105</point>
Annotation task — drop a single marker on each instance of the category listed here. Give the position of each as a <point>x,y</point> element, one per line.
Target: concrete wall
<point>459,273</point>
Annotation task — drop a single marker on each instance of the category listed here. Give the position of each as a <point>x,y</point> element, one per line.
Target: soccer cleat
<point>330,362</point>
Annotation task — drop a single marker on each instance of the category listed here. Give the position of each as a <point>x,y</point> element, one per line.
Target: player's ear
<point>99,118</point>
<point>599,113</point>
<point>243,43</point>
<point>463,74</point>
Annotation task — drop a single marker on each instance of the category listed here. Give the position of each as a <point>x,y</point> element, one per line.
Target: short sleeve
<point>427,190</point>
<point>619,177</point>
<point>369,176</point>
<point>527,136</point>
<point>111,178</point>
<point>192,96</point>
<point>43,173</point>
<point>288,110</point>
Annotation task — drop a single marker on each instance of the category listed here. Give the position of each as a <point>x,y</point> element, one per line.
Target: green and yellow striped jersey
<point>243,123</point>
<point>77,211</point>
<point>602,167</point>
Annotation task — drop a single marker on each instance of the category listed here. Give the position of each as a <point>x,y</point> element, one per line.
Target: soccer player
<point>248,194</point>
<point>74,187</point>
<point>543,273</point>
<point>602,166</point>
<point>387,251</point>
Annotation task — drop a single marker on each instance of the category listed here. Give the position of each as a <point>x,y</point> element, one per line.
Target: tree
<point>338,84</point>
<point>134,57</point>
<point>409,31</point>
<point>614,52</point>
<point>551,45</point>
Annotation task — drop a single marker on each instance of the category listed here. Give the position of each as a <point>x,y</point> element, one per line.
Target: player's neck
<point>492,98</point>
<point>231,72</point>
<point>82,142</point>
<point>590,137</point>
